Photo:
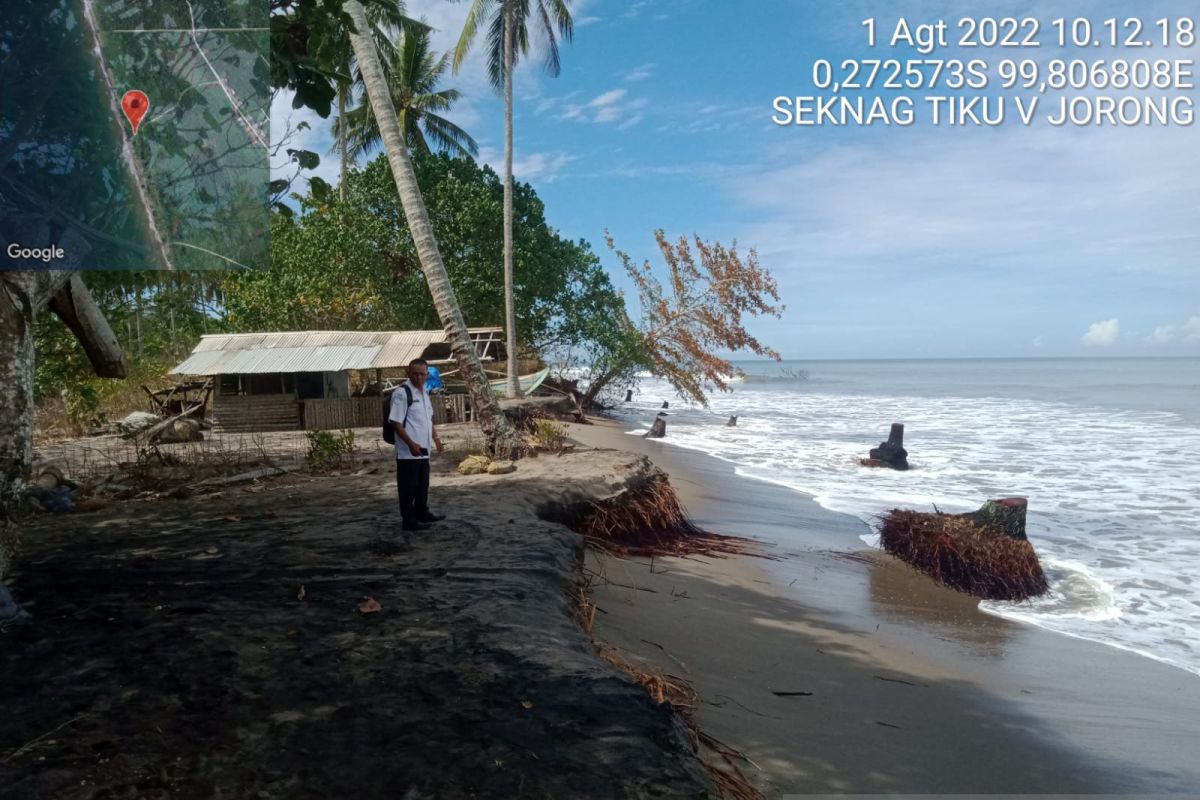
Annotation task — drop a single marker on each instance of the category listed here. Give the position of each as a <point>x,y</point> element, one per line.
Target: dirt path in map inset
<point>130,158</point>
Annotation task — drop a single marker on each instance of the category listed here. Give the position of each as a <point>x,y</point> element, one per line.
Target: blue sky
<point>887,242</point>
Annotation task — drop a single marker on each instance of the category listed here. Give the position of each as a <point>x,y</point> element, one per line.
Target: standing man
<point>415,437</point>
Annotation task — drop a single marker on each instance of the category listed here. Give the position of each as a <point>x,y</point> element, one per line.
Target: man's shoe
<point>431,517</point>
<point>414,526</point>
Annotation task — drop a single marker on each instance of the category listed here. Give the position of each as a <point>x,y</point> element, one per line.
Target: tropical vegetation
<point>508,23</point>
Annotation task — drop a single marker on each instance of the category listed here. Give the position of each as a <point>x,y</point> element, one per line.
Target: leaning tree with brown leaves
<point>695,311</point>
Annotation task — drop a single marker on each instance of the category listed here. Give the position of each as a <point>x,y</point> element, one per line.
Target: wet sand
<point>913,689</point>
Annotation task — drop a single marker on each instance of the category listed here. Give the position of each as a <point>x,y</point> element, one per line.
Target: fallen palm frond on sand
<point>964,554</point>
<point>681,697</point>
<point>649,520</point>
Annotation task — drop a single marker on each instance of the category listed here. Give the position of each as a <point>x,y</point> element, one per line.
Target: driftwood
<point>154,430</point>
<point>242,477</point>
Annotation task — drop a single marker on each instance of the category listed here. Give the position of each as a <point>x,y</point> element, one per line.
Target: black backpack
<point>389,433</point>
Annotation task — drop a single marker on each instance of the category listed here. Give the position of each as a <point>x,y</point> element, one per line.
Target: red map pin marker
<point>135,104</point>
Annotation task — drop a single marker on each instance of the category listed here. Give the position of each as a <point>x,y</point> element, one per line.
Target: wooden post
<point>732,422</point>
<point>629,395</point>
<point>896,435</point>
<point>666,404</point>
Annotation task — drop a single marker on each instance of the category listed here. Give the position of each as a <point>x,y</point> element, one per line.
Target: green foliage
<point>413,73</point>
<point>550,436</point>
<point>157,318</point>
<point>328,451</point>
<point>352,264</point>
<point>310,46</point>
<point>550,18</point>
<point>82,403</point>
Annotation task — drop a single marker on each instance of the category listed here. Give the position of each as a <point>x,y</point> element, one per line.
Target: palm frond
<point>475,16</point>
<point>496,64</point>
<point>448,136</point>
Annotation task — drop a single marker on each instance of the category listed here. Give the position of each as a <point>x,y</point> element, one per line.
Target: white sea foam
<point>1114,505</point>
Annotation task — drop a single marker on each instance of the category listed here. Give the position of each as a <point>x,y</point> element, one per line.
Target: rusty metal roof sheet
<point>308,351</point>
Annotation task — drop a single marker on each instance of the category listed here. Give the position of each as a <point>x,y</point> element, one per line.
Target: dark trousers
<point>412,484</point>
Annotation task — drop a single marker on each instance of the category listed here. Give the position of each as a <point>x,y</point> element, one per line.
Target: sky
<point>887,241</point>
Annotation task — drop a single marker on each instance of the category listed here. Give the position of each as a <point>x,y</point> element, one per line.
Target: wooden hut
<point>317,380</point>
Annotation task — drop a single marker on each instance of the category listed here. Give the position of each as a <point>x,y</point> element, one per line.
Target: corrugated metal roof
<point>307,351</point>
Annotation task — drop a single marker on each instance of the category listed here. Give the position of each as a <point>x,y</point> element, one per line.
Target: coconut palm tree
<point>502,437</point>
<point>508,32</point>
<point>386,19</point>
<point>413,73</point>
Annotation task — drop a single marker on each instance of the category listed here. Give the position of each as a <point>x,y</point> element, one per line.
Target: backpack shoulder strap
<point>408,395</point>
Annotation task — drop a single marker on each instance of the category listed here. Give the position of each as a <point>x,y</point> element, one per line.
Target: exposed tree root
<point>722,763</point>
<point>964,555</point>
<point>650,521</point>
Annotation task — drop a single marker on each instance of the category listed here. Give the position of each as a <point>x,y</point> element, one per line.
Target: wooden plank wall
<point>449,408</point>
<point>367,412</point>
<point>252,413</point>
<point>343,412</point>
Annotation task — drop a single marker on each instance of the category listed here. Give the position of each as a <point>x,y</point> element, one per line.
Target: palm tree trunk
<point>342,140</point>
<point>513,387</point>
<point>502,437</point>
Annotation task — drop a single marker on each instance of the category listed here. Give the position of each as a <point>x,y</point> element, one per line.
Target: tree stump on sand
<point>658,430</point>
<point>891,453</point>
<point>1006,515</point>
<point>629,395</point>
<point>732,422</point>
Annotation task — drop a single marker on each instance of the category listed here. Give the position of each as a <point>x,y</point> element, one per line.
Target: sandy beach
<point>213,646</point>
<point>837,669</point>
<point>217,646</point>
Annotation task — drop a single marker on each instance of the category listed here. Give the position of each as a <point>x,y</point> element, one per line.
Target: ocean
<point>1106,450</point>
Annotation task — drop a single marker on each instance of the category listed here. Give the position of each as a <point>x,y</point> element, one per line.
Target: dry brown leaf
<point>369,605</point>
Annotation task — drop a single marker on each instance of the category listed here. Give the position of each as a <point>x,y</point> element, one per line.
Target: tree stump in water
<point>1006,515</point>
<point>891,453</point>
<point>666,404</point>
<point>658,430</point>
<point>732,422</point>
<point>629,395</point>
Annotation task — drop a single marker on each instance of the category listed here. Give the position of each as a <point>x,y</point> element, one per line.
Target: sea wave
<point>1113,508</point>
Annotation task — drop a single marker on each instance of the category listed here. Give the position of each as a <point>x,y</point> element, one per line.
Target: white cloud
<point>1009,203</point>
<point>544,167</point>
<point>608,98</point>
<point>1102,334</point>
<point>609,106</point>
<point>1163,334</point>
<point>1188,331</point>
<point>629,123</point>
<point>639,73</point>
<point>583,22</point>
